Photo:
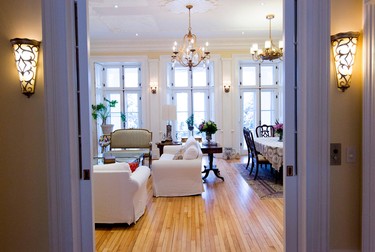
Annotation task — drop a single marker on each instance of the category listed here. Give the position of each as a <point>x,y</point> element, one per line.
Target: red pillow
<point>133,166</point>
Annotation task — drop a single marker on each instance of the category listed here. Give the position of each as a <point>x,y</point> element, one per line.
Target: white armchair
<point>119,195</point>
<point>177,177</point>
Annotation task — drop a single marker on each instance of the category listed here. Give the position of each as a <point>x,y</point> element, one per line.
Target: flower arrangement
<point>279,127</point>
<point>208,127</point>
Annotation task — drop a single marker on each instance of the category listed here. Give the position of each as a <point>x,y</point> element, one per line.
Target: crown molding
<point>130,46</point>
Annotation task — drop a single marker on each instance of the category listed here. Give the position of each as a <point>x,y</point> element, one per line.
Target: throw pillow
<point>179,155</point>
<point>133,166</point>
<point>189,142</point>
<point>191,153</point>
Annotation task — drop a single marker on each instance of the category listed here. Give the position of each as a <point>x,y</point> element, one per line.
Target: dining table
<point>272,149</point>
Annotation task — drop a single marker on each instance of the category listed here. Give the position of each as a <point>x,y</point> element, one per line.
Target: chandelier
<point>188,55</point>
<point>270,51</point>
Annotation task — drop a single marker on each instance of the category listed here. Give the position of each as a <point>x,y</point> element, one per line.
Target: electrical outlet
<point>335,154</point>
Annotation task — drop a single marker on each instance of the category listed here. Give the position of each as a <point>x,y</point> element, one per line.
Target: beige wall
<point>346,125</point>
<point>23,173</point>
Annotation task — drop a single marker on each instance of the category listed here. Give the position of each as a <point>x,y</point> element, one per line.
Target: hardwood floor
<point>228,216</point>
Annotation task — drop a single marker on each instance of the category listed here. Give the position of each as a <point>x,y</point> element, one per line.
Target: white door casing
<point>306,222</point>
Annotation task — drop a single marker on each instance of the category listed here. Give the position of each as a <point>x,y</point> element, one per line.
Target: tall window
<point>259,94</point>
<point>191,91</point>
<point>121,82</point>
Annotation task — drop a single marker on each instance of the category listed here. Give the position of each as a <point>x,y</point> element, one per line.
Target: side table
<point>161,145</point>
<point>210,150</point>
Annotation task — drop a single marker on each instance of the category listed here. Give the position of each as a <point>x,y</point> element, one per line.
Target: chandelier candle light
<point>270,51</point>
<point>188,55</point>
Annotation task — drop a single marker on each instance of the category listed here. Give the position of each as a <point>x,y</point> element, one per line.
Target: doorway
<point>296,194</point>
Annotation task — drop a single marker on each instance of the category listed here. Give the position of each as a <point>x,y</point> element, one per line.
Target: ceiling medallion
<point>178,6</point>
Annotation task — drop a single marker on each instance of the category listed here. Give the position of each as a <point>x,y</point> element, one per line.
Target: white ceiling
<point>156,24</point>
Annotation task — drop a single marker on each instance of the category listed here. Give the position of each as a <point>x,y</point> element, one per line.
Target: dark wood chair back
<point>265,131</point>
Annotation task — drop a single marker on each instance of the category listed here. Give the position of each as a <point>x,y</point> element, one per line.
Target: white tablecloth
<point>272,149</point>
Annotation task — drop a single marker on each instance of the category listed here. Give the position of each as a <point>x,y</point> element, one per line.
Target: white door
<point>84,128</point>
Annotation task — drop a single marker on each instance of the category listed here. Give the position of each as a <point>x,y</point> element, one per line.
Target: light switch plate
<point>335,154</point>
<point>351,155</point>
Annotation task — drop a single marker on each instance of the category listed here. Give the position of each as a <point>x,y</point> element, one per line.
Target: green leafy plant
<point>190,122</point>
<point>102,110</point>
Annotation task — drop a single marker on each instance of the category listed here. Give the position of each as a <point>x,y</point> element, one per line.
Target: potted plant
<point>190,122</point>
<point>102,111</point>
<point>279,128</point>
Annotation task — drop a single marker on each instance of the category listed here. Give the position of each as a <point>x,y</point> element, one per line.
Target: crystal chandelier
<point>188,55</point>
<point>270,51</point>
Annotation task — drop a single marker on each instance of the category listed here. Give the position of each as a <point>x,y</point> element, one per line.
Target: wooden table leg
<point>211,167</point>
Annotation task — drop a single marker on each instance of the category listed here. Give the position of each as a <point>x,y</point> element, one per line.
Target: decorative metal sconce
<point>344,46</point>
<point>153,87</point>
<point>26,56</point>
<point>226,86</point>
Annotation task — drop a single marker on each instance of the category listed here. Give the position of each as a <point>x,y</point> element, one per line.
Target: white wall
<point>153,69</point>
<point>346,125</point>
<point>23,172</point>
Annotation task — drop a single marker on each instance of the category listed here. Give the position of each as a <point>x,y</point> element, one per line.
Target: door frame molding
<point>313,166</point>
<point>368,138</point>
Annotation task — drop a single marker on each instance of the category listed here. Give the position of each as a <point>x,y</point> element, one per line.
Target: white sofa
<point>177,177</point>
<point>119,195</point>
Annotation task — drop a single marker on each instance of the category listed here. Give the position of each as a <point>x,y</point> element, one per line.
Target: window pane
<point>116,97</point>
<point>131,77</point>
<point>266,100</point>
<point>182,109</point>
<point>131,110</point>
<point>249,76</point>
<point>181,121</point>
<point>249,106</point>
<point>181,77</point>
<point>182,102</point>
<point>267,76</point>
<point>266,117</point>
<point>199,77</point>
<point>113,77</point>
<point>115,118</point>
<point>199,107</point>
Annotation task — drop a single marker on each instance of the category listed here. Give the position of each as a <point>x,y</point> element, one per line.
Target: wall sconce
<point>26,56</point>
<point>226,86</point>
<point>153,87</point>
<point>344,46</point>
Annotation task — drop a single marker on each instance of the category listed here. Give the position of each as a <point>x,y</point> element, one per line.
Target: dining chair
<point>265,131</point>
<point>257,159</point>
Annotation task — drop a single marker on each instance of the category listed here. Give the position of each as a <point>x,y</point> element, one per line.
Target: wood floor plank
<point>228,216</point>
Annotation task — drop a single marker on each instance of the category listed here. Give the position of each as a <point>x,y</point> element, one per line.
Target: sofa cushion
<point>166,156</point>
<point>191,153</point>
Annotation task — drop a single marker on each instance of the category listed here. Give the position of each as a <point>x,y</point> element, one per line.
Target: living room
<point>31,183</point>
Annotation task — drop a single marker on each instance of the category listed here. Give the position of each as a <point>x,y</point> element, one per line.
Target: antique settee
<point>132,140</point>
